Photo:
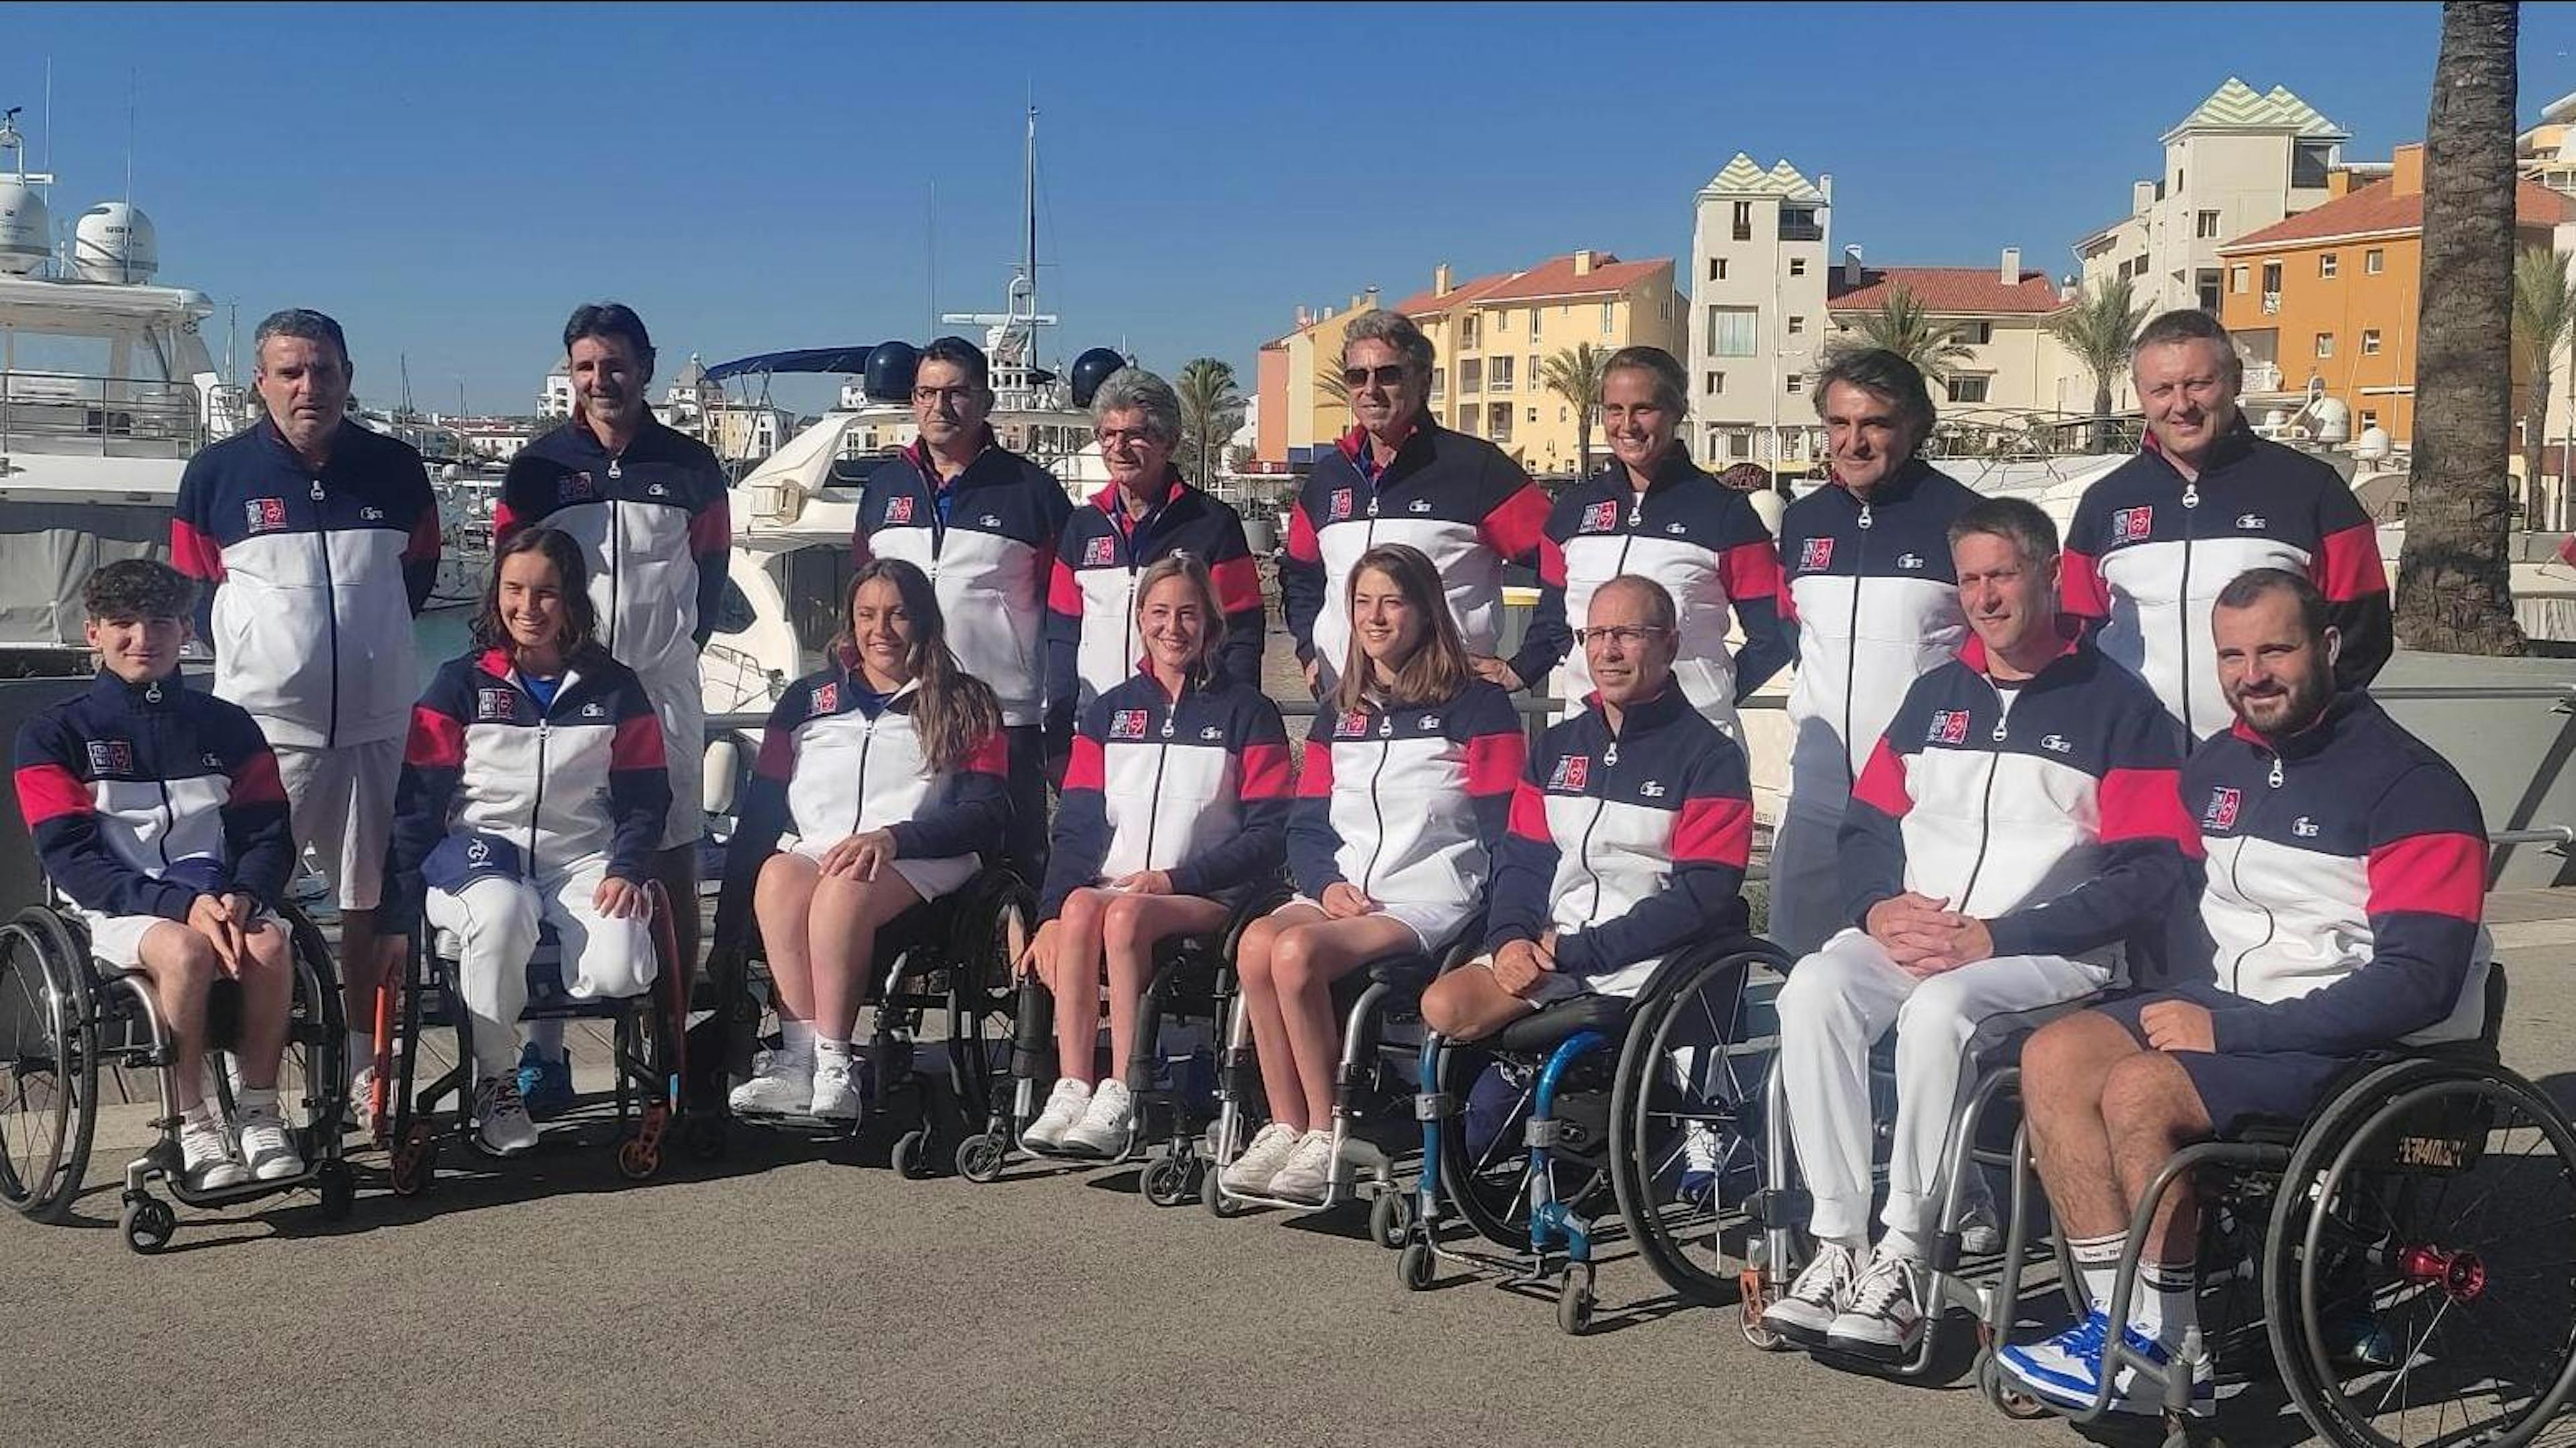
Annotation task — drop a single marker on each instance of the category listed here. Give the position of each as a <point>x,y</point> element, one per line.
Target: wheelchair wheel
<point>2434,1205</point>
<point>1684,1126</point>
<point>983,1000</point>
<point>1484,1152</point>
<point>48,1065</point>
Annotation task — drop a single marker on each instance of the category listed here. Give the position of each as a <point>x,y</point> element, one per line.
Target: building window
<point>1498,422</point>
<point>2374,261</point>
<point>1467,333</point>
<point>1471,376</point>
<point>2205,224</point>
<point>1793,384</point>
<point>1797,266</point>
<point>1534,324</point>
<point>1717,268</point>
<point>1609,317</point>
<point>1560,414</point>
<point>1533,373</point>
<point>2238,277</point>
<point>1968,389</point>
<point>1974,334</point>
<point>2326,266</point>
<point>1498,376</point>
<point>2369,419</point>
<point>1439,380</point>
<point>1744,221</point>
<point>1716,383</point>
<point>2325,344</point>
<point>1797,325</point>
<point>1731,331</point>
<point>2370,341</point>
<point>2310,162</point>
<point>1739,444</point>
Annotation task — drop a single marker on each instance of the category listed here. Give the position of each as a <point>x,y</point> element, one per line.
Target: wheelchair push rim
<point>48,1100</point>
<point>1680,1225</point>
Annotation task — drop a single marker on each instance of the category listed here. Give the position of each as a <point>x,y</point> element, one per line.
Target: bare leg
<point>783,900</point>
<point>1130,928</point>
<point>1261,1010</point>
<point>268,996</point>
<point>181,965</point>
<point>2063,1071</point>
<point>2152,1112</point>
<point>1468,1005</point>
<point>1305,962</point>
<point>1076,984</point>
<point>843,928</point>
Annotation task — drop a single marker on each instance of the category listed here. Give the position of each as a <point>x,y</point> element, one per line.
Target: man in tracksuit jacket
<point>984,523</point>
<point>1866,587</point>
<point>2341,914</point>
<point>2153,542</point>
<point>1628,838</point>
<point>157,810</point>
<point>2017,824</point>
<point>1399,477</point>
<point>317,541</point>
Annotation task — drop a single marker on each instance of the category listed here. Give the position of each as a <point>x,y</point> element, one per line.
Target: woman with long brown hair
<point>880,780</point>
<point>1408,781</point>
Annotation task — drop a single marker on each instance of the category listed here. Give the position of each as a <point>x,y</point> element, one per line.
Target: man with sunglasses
<point>1399,477</point>
<point>983,522</point>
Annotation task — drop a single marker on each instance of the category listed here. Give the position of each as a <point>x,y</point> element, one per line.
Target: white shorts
<point>1434,927</point>
<point>929,879</point>
<point>341,802</point>
<point>116,941</point>
<point>683,714</point>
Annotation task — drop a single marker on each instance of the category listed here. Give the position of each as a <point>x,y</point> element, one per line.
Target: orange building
<point>2332,293</point>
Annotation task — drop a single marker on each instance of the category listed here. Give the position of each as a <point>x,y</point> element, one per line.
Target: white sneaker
<point>1063,1110</point>
<point>1103,1127</point>
<point>267,1147</point>
<point>1309,1171</point>
<point>1981,1233</point>
<point>783,1086</point>
<point>836,1096</point>
<point>1885,1318</point>
<point>1250,1173</point>
<point>206,1154</point>
<point>1807,1310</point>
<point>501,1121</point>
<point>362,1089</point>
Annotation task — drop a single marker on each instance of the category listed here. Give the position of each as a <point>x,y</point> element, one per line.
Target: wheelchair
<point>1169,1073</point>
<point>64,1017</point>
<point>1381,1005</point>
<point>950,958</point>
<point>1645,1109</point>
<point>2399,1260</point>
<point>647,1056</point>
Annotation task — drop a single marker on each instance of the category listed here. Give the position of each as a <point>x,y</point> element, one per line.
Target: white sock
<point>832,1053</point>
<point>2097,1264</point>
<point>253,1099</point>
<point>1901,1244</point>
<point>547,1037</point>
<point>2163,1307</point>
<point>1856,1244</point>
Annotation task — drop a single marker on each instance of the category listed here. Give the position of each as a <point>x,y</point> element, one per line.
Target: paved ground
<point>779,1297</point>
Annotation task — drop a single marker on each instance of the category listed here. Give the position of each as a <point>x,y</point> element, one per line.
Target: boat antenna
<point>930,246</point>
<point>130,84</point>
<point>49,114</point>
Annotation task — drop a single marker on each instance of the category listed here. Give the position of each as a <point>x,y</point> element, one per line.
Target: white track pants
<point>1837,1003</point>
<point>495,921</point>
<point>1806,874</point>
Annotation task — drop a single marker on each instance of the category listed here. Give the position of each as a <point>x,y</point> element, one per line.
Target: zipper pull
<point>1610,756</point>
<point>1167,723</point>
<point>1372,507</point>
<point>2276,771</point>
<point>1386,726</point>
<point>1864,515</point>
<point>317,490</point>
<point>612,468</point>
<point>1636,508</point>
<point>2191,493</point>
<point>152,692</point>
<point>2000,727</point>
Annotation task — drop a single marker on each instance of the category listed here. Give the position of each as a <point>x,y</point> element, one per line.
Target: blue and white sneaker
<point>545,1085</point>
<point>2064,1370</point>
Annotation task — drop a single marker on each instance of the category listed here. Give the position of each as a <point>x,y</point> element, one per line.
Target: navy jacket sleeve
<point>433,763</point>
<point>711,543</point>
<point>1301,578</point>
<point>55,803</point>
<point>1237,576</point>
<point>2347,570</point>
<point>1515,528</point>
<point>1081,838</point>
<point>760,818</point>
<point>1263,790</point>
<point>639,785</point>
<point>194,550</point>
<point>1749,571</point>
<point>259,841</point>
<point>527,496</point>
<point>1314,847</point>
<point>972,813</point>
<point>2146,838</point>
<point>1497,755</point>
<point>1524,883</point>
<point>2427,882</point>
<point>1063,640</point>
<point>420,551</point>
<point>1872,838</point>
<point>1550,632</point>
<point>1711,842</point>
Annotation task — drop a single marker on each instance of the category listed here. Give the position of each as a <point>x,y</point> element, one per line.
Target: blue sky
<point>449,181</point>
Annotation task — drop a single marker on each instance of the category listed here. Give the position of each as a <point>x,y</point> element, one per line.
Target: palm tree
<point>1211,409</point>
<point>2544,309</point>
<point>1574,373</point>
<point>1904,326</point>
<point>1330,386</point>
<point>2101,329</point>
<point>2454,584</point>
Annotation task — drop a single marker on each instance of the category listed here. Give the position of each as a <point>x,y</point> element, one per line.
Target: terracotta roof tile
<point>2378,208</point>
<point>1555,277</point>
<point>1945,289</point>
<point>1424,304</point>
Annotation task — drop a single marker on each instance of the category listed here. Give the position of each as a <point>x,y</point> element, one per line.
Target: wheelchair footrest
<point>1780,1207</point>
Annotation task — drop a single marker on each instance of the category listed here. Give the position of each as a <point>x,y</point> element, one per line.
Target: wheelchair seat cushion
<point>1544,1030</point>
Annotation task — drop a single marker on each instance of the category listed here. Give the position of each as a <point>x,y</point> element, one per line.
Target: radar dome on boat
<point>115,242</point>
<point>2334,419</point>
<point>888,375</point>
<point>2373,444</point>
<point>26,230</point>
<point>1090,370</point>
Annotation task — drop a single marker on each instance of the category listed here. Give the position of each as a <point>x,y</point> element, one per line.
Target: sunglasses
<point>1390,376</point>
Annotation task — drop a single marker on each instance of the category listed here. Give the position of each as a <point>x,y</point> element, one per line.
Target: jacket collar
<point>1896,488</point>
<point>2070,635</point>
<point>2228,447</point>
<point>2337,721</point>
<point>1662,709</point>
<point>160,693</point>
<point>1107,499</point>
<point>1354,443</point>
<point>917,453</point>
<point>269,433</point>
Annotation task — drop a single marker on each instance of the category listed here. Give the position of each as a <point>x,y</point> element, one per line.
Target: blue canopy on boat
<point>804,359</point>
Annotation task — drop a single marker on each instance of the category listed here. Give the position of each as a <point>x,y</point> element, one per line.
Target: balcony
<point>1801,231</point>
<point>2271,304</point>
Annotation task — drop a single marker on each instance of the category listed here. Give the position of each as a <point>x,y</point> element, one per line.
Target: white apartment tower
<point>1759,240</point>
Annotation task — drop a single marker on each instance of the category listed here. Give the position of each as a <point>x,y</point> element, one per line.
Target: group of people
<point>2017,763</point>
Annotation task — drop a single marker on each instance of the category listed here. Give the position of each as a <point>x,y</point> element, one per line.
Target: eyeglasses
<point>1626,636</point>
<point>1389,376</point>
<point>943,394</point>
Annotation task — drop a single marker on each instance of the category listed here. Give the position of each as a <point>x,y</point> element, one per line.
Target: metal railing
<point>40,406</point>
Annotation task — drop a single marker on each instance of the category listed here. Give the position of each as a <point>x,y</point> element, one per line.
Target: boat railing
<point>123,416</point>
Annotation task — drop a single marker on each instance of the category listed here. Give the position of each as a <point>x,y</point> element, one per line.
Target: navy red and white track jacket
<point>829,769</point>
<point>1630,844</point>
<point>572,784</point>
<point>2051,808</point>
<point>1868,584</point>
<point>1407,804</point>
<point>989,546</point>
<point>1196,785</point>
<point>1459,499</point>
<point>123,781</point>
<point>655,529</point>
<point>2147,553</point>
<point>1092,644</point>
<point>2346,882</point>
<point>313,579</point>
<point>1689,532</point>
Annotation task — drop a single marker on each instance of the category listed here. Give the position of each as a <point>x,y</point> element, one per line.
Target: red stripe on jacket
<point>1750,570</point>
<point>777,755</point>
<point>437,740</point>
<point>49,792</point>
<point>1714,832</point>
<point>194,553</point>
<point>2079,586</point>
<point>2436,874</point>
<point>255,781</point>
<point>1882,784</point>
<point>1301,536</point>
<point>1238,584</point>
<point>638,744</point>
<point>1495,763</point>
<point>1529,814</point>
<point>1085,770</point>
<point>1317,780</point>
<point>1551,563</point>
<point>1265,772</point>
<point>2347,565</point>
<point>1064,595</point>
<point>2146,804</point>
<point>1515,526</point>
<point>711,531</point>
<point>991,755</point>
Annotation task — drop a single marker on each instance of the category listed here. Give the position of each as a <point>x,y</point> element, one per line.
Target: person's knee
<point>1122,922</point>
<point>2139,1101</point>
<point>1937,1017</point>
<point>1297,960</point>
<point>2057,1056</point>
<point>1449,1006</point>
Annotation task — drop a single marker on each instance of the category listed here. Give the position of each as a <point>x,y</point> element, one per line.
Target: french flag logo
<point>265,515</point>
<point>1352,725</point>
<point>1099,552</point>
<point>1127,724</point>
<point>1600,517</point>
<point>827,699</point>
<point>1571,772</point>
<point>1816,555</point>
<point>899,510</point>
<point>1950,726</point>
<point>2132,525</point>
<point>1339,507</point>
<point>2221,814</point>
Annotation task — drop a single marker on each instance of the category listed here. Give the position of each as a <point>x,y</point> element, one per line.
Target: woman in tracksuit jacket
<point>1174,806</point>
<point>532,793</point>
<point>1408,782</point>
<point>880,780</point>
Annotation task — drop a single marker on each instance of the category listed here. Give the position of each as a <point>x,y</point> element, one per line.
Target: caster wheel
<point>979,1159</point>
<point>638,1161</point>
<point>1748,1319</point>
<point>1167,1181</point>
<point>339,1191</point>
<point>1414,1267</point>
<point>148,1224</point>
<point>705,1137</point>
<point>1574,1300</point>
<point>911,1156</point>
<point>414,1166</point>
<point>1391,1219</point>
<point>2001,1391</point>
<point>1218,1204</point>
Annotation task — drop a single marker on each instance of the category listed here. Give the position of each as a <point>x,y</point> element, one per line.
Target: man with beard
<point>2346,869</point>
